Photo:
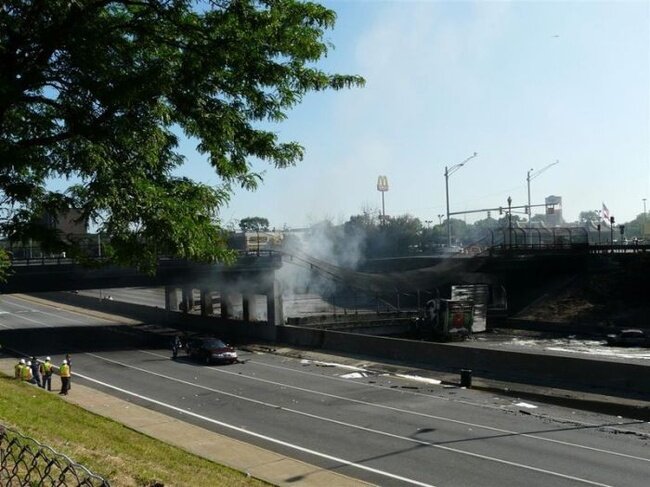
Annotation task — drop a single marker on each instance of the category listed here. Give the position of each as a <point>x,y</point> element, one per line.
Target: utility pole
<point>645,215</point>
<point>448,172</point>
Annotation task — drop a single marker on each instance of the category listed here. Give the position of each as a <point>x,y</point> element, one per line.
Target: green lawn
<point>123,456</point>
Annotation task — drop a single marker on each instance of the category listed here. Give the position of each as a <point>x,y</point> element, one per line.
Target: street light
<point>509,221</point>
<point>645,215</point>
<point>382,187</point>
<point>448,172</point>
<point>530,177</point>
<point>440,218</point>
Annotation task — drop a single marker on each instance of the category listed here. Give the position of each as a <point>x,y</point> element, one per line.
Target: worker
<point>26,372</point>
<point>18,369</point>
<point>36,371</point>
<point>64,373</point>
<point>46,372</point>
<point>176,346</point>
<point>68,359</point>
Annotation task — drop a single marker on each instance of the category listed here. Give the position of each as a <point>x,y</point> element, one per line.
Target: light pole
<point>645,215</point>
<point>530,177</point>
<point>382,187</point>
<point>448,172</point>
<point>510,221</point>
<point>440,218</point>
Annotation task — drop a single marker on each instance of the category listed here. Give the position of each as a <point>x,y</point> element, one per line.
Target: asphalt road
<point>378,427</point>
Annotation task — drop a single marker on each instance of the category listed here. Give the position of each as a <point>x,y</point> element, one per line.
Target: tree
<point>587,217</point>
<point>254,224</point>
<point>98,91</point>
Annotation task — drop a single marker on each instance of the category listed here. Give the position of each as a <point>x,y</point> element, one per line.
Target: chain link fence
<point>26,462</point>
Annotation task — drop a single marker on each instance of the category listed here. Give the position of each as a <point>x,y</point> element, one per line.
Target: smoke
<point>314,256</point>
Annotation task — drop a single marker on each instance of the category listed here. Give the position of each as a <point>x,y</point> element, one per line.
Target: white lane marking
<point>252,433</point>
<point>35,310</point>
<point>350,425</point>
<point>415,413</point>
<point>413,393</point>
<point>22,316</point>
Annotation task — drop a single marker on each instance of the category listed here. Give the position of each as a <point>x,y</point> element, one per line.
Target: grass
<point>122,456</point>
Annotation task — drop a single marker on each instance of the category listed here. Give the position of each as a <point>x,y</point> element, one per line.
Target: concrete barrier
<point>589,375</point>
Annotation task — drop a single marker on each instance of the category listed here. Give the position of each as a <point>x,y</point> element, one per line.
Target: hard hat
<point>65,362</point>
<point>47,359</point>
<point>29,363</point>
<point>22,360</point>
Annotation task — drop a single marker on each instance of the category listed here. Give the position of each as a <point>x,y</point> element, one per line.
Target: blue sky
<point>521,83</point>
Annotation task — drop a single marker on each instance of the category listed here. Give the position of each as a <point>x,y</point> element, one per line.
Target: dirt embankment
<point>617,297</point>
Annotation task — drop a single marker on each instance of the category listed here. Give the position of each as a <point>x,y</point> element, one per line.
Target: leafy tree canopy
<point>96,91</point>
<point>254,223</point>
<point>587,217</point>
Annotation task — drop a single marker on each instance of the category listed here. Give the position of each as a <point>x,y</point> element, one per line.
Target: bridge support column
<point>249,307</point>
<point>187,304</point>
<point>207,308</point>
<point>274,305</point>
<point>172,298</point>
<point>227,305</point>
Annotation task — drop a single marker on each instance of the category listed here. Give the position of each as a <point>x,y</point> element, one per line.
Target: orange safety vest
<point>64,370</point>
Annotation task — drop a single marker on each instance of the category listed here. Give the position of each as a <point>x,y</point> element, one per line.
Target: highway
<point>367,424</point>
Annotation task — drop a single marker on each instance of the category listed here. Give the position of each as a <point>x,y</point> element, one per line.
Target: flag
<point>605,214</point>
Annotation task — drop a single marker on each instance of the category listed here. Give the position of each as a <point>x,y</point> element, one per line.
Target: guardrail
<point>25,461</point>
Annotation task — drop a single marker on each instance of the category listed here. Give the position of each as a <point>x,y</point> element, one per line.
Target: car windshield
<point>213,343</point>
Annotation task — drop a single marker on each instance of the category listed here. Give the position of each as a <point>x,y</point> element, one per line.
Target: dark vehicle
<point>628,338</point>
<point>210,350</point>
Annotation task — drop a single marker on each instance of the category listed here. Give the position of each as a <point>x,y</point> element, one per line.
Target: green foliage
<point>587,217</point>
<point>5,265</point>
<point>253,224</point>
<point>96,91</point>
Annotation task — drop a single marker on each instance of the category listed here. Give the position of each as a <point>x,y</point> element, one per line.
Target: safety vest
<point>26,373</point>
<point>18,371</point>
<point>46,368</point>
<point>64,370</point>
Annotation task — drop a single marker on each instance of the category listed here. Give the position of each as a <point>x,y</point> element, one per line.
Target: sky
<point>523,84</point>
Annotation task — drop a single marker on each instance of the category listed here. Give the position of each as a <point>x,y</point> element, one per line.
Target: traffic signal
<point>489,214</point>
<point>611,220</point>
<point>500,210</point>
<point>622,228</point>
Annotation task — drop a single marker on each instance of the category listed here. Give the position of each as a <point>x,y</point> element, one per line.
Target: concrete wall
<point>598,376</point>
<point>549,370</point>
